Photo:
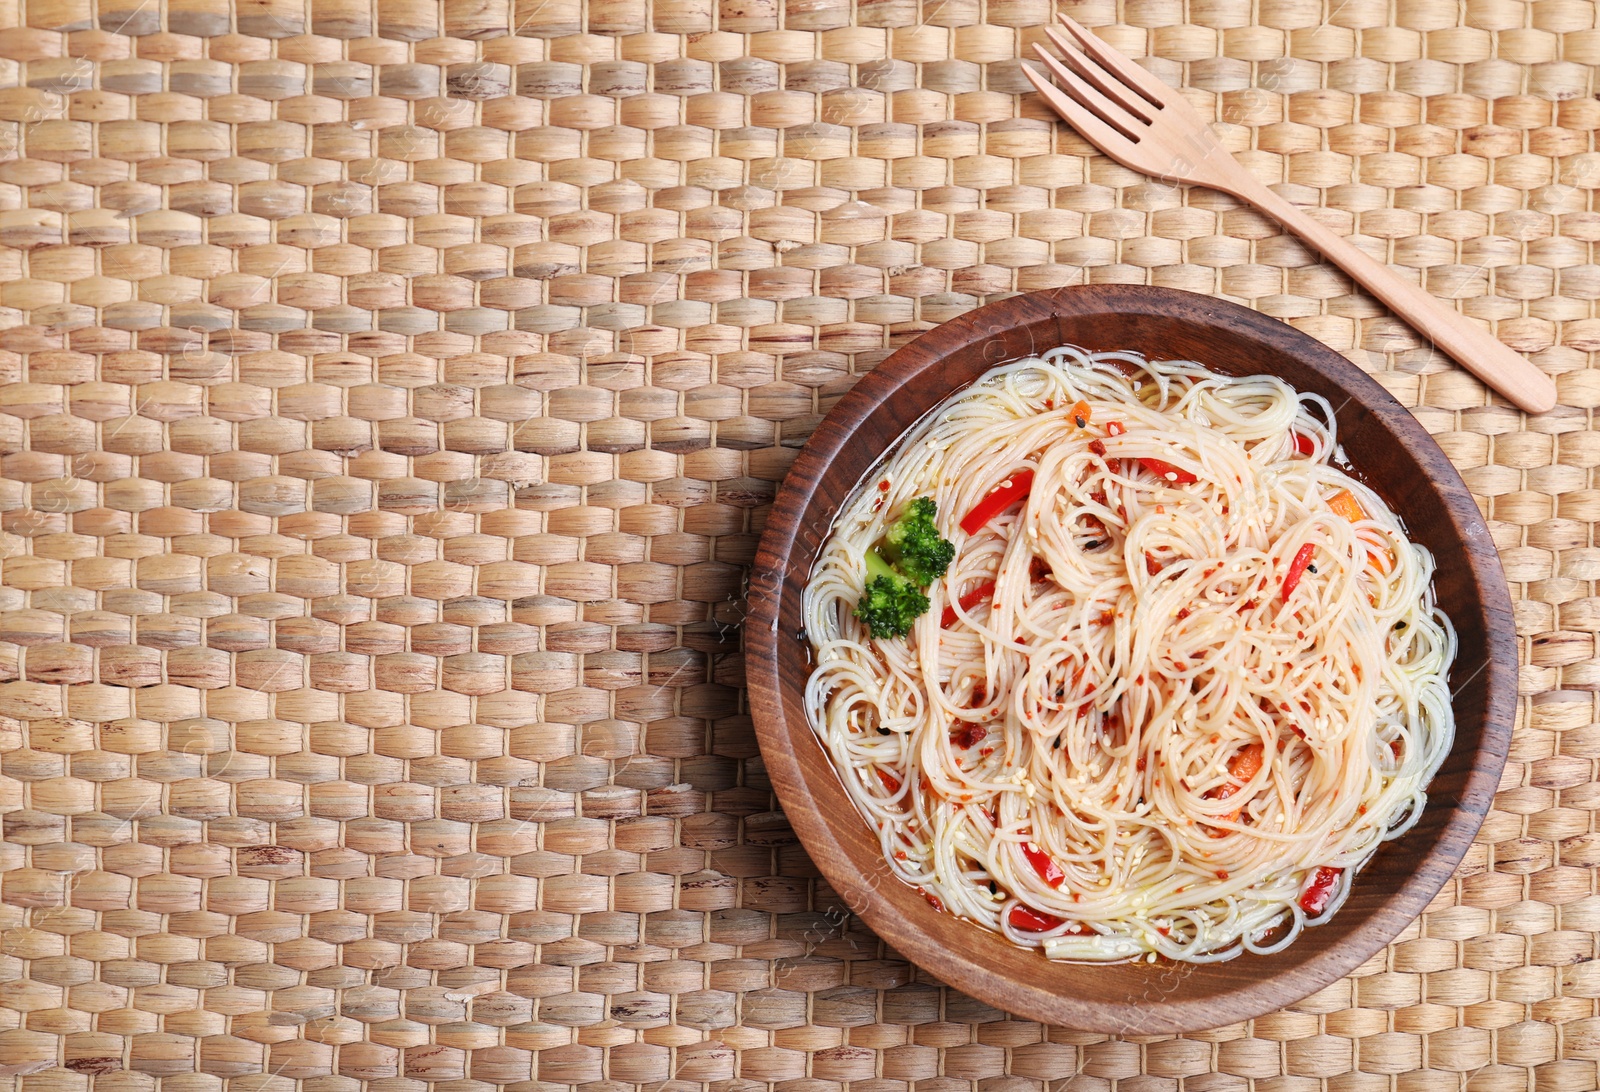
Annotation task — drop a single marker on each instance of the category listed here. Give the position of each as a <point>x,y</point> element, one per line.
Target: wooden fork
<point>1143,124</point>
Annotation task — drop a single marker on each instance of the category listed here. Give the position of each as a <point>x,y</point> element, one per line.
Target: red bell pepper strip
<point>1033,921</point>
<point>1167,472</point>
<point>1044,864</point>
<point>1297,569</point>
<point>981,594</point>
<point>997,500</point>
<point>1315,898</point>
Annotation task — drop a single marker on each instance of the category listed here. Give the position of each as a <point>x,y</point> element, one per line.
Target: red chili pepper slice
<point>1044,864</point>
<point>968,735</point>
<point>1033,921</point>
<point>997,500</point>
<point>1167,472</point>
<point>1303,444</point>
<point>890,781</point>
<point>1315,898</point>
<point>981,594</point>
<point>1115,428</point>
<point>1297,569</point>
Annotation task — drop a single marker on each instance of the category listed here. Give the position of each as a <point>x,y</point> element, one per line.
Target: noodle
<point>1151,740</point>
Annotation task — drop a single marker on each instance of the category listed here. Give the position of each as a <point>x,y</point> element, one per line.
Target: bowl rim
<point>780,740</point>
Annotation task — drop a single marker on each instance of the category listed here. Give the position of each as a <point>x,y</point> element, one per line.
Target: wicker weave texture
<point>393,395</point>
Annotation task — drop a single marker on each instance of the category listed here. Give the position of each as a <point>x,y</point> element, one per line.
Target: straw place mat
<point>394,396</point>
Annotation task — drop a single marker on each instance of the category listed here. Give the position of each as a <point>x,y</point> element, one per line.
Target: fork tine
<point>1088,98</point>
<point>1108,84</point>
<point>1140,80</point>
<point>1092,128</point>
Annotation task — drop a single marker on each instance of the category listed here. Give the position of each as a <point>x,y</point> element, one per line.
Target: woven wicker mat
<point>395,396</point>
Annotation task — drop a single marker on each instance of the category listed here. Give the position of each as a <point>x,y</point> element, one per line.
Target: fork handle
<point>1472,346</point>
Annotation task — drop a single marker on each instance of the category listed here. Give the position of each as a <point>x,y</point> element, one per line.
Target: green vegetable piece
<point>915,546</point>
<point>889,603</point>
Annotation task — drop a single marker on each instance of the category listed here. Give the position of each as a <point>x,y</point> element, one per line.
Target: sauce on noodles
<point>1183,677</point>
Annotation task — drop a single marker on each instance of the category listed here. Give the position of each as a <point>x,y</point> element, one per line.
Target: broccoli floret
<point>889,603</point>
<point>912,556</point>
<point>914,545</point>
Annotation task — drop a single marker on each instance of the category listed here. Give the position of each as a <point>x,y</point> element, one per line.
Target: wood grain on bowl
<point>1389,449</point>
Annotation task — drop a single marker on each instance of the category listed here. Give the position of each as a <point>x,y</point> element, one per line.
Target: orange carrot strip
<point>1345,505</point>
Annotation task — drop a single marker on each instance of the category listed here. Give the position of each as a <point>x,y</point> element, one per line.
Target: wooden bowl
<point>1391,451</point>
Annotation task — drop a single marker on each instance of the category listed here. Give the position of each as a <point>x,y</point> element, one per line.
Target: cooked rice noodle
<point>1090,715</point>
